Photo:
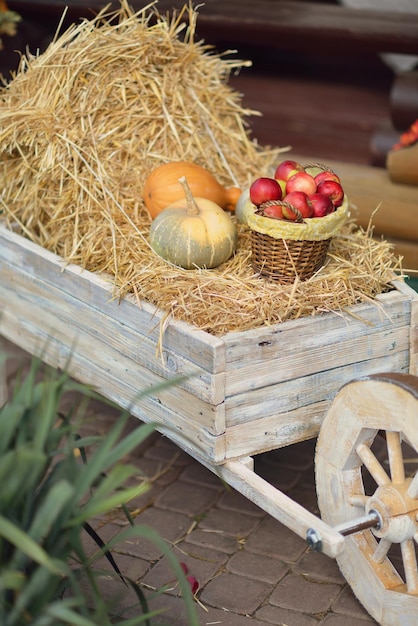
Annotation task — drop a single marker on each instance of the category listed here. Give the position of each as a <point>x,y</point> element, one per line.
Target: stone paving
<point>251,569</point>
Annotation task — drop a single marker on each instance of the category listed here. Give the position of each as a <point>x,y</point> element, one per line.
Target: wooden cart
<point>249,392</point>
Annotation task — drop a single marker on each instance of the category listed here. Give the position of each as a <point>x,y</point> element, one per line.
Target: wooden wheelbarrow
<point>249,392</point>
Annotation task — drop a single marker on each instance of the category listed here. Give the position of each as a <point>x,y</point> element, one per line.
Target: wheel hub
<point>398,512</point>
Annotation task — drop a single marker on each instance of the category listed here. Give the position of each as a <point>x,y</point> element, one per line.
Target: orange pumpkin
<point>162,187</point>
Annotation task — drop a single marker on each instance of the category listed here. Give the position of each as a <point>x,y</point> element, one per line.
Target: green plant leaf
<point>24,543</point>
<point>63,611</point>
<point>20,469</point>
<point>96,507</point>
<point>10,579</point>
<point>57,498</point>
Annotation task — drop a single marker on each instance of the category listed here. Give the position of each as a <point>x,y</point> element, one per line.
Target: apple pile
<point>297,192</point>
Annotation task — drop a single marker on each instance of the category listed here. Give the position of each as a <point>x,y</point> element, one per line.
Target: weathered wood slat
<point>293,420</point>
<point>87,366</point>
<point>129,349</point>
<point>198,347</point>
<point>343,339</point>
<point>63,327</point>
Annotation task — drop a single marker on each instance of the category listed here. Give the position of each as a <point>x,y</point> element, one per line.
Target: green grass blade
<point>57,498</point>
<point>27,546</point>
<point>12,580</point>
<point>63,611</point>
<point>96,507</point>
<point>98,461</point>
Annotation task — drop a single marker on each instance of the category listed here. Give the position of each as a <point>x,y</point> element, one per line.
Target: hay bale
<point>83,124</point>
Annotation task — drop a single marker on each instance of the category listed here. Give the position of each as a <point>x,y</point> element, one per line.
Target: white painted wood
<point>362,409</point>
<point>245,393</point>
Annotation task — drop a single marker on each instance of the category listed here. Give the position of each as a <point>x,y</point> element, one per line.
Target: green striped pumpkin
<point>193,233</point>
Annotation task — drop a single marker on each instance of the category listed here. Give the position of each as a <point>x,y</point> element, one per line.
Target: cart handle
<point>278,505</point>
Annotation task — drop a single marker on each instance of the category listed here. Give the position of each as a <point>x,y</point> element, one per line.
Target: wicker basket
<point>282,260</point>
<point>283,250</point>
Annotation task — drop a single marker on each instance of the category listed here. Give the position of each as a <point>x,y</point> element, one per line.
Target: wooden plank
<point>84,366</point>
<point>130,348</point>
<point>303,422</point>
<point>249,409</point>
<point>64,321</point>
<point>292,349</point>
<point>179,339</point>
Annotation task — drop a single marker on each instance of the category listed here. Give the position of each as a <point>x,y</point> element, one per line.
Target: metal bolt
<point>313,539</point>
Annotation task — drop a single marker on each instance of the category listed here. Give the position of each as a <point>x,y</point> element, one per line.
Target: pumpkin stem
<point>192,208</point>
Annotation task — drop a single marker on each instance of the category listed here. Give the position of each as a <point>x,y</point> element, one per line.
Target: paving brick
<point>172,610</point>
<point>344,620</point>
<point>132,567</point>
<point>214,540</point>
<point>299,594</point>
<point>283,617</point>
<point>219,617</point>
<point>232,500</point>
<point>348,604</point>
<point>257,567</point>
<point>201,475</point>
<point>156,472</point>
<point>187,498</point>
<point>175,615</point>
<point>305,493</point>
<point>229,522</point>
<point>168,454</point>
<point>298,456</point>
<point>273,539</point>
<point>319,567</point>
<point>236,593</point>
<point>202,563</point>
<point>169,527</point>
<point>277,475</point>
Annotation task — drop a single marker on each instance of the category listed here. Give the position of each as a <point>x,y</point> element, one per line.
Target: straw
<point>84,123</point>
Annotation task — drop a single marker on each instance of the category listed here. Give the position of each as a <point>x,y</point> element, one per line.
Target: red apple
<point>264,189</point>
<point>282,184</point>
<point>301,182</point>
<point>299,200</point>
<point>321,205</point>
<point>274,210</point>
<point>333,190</point>
<point>324,175</point>
<point>286,169</point>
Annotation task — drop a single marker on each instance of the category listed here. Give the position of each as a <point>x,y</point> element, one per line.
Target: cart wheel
<point>366,465</point>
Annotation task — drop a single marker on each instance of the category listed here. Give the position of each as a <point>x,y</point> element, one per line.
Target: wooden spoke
<point>410,565</point>
<point>413,487</point>
<point>396,463</point>
<point>359,499</point>
<point>381,550</point>
<point>372,464</point>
